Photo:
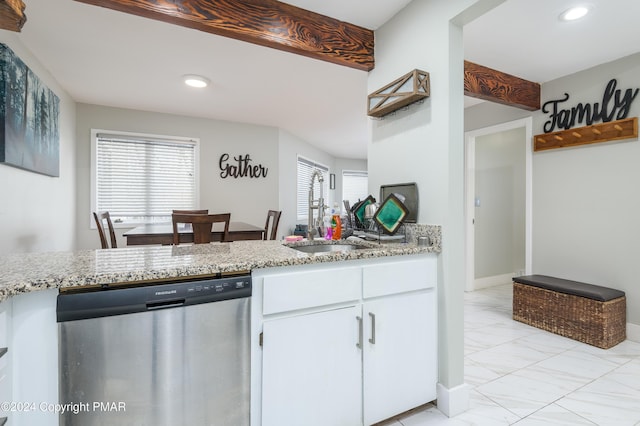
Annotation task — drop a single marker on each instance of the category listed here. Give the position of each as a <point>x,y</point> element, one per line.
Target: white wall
<point>290,147</point>
<point>354,165</point>
<point>37,212</point>
<point>425,145</point>
<point>246,199</point>
<point>585,206</point>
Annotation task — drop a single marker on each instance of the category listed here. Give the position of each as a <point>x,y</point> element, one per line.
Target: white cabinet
<point>399,356</point>
<point>345,344</point>
<point>312,370</point>
<point>400,345</point>
<point>5,356</point>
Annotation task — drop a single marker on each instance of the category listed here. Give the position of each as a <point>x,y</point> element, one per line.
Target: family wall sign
<point>240,166</point>
<point>609,116</point>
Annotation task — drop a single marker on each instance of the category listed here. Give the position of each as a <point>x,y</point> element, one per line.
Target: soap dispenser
<point>336,225</point>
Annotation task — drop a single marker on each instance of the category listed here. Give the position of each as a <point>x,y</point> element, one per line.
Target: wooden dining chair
<point>100,217</point>
<point>202,226</point>
<point>273,216</point>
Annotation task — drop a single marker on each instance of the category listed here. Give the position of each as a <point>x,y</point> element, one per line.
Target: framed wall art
<point>29,111</point>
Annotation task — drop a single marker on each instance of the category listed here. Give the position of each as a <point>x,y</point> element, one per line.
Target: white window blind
<point>141,179</point>
<point>305,171</point>
<point>355,185</point>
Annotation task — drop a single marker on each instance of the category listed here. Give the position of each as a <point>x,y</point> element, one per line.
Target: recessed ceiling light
<point>195,80</point>
<point>575,13</point>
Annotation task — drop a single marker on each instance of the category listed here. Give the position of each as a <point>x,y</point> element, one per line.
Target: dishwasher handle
<point>165,304</point>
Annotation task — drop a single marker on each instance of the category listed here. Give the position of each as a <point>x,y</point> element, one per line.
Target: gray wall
<point>37,212</point>
<point>246,199</point>
<point>500,218</point>
<point>585,199</point>
<point>585,202</point>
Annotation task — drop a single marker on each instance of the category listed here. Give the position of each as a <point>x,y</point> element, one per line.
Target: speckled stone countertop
<point>23,273</point>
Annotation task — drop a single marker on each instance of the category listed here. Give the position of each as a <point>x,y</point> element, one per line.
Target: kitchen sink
<point>327,248</point>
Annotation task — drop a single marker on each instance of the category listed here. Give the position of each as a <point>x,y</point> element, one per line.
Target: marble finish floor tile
<point>482,412</point>
<point>497,334</point>
<point>525,392</point>
<point>620,354</point>
<point>605,402</point>
<point>508,357</point>
<point>573,365</point>
<point>521,375</point>
<point>553,414</point>
<point>483,317</point>
<point>550,343</point>
<point>476,374</point>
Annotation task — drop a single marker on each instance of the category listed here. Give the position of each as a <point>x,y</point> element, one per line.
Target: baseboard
<point>454,401</point>
<point>495,280</point>
<point>633,332</point>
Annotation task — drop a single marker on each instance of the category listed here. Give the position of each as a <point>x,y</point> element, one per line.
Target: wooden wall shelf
<point>404,91</point>
<point>596,133</point>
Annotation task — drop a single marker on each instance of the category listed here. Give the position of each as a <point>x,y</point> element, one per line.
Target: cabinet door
<point>400,365</point>
<point>5,356</point>
<point>312,370</point>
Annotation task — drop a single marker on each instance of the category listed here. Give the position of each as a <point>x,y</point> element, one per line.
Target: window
<point>355,185</point>
<point>142,178</point>
<point>305,171</point>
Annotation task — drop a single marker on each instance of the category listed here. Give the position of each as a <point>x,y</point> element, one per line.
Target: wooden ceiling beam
<point>265,22</point>
<point>12,15</point>
<point>495,86</point>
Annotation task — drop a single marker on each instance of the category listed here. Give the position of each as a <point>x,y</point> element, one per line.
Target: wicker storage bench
<point>588,313</point>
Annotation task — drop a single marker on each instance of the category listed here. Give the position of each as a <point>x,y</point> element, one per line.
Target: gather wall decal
<point>240,166</point>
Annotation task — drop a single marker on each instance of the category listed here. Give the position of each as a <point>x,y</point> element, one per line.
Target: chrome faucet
<point>317,226</point>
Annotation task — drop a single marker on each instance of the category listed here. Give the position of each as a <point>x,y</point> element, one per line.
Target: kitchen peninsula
<point>339,292</point>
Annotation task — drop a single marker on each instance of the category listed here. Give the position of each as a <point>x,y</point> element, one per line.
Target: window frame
<point>364,173</point>
<point>141,136</point>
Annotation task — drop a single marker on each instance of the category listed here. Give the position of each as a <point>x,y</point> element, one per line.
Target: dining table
<point>162,233</point>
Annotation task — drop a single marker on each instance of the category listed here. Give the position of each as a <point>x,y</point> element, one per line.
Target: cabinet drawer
<point>399,276</point>
<point>301,290</point>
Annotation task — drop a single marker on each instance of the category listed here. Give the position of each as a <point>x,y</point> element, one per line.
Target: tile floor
<point>522,375</point>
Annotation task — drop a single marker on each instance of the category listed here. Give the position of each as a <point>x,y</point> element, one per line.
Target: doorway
<point>498,203</point>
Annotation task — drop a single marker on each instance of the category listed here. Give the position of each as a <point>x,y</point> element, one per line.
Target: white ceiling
<point>104,57</point>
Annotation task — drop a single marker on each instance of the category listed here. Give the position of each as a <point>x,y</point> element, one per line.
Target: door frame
<point>470,168</point>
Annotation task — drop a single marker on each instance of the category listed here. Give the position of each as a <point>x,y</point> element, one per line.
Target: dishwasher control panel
<point>118,301</point>
<point>220,285</point>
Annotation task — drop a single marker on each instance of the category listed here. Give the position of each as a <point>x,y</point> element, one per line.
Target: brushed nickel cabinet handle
<point>373,328</point>
<point>360,332</point>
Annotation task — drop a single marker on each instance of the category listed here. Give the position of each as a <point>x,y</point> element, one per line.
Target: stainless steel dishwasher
<point>171,354</point>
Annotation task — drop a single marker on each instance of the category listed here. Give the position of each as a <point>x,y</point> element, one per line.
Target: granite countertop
<point>23,273</point>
